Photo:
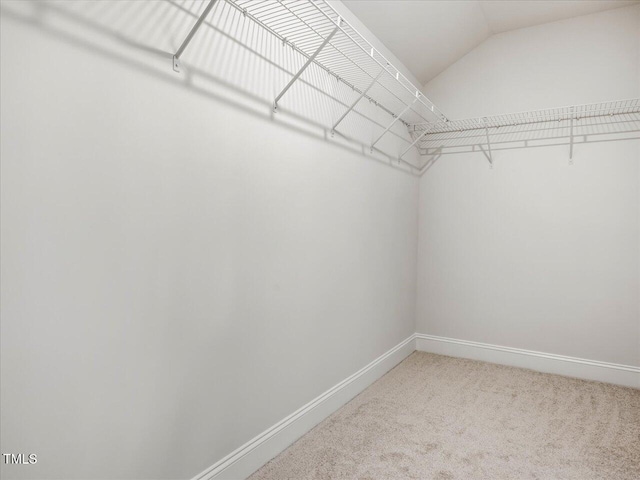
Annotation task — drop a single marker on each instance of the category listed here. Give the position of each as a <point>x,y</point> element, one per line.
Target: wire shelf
<point>619,111</point>
<point>324,68</point>
<point>577,124</point>
<point>316,31</point>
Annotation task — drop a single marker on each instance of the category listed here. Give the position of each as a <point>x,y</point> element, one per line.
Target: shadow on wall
<point>231,60</point>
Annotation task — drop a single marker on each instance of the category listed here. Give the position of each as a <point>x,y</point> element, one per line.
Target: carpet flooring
<point>437,417</point>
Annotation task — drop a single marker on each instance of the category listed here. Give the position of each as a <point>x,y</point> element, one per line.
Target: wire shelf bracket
<point>395,119</point>
<point>307,63</point>
<point>413,143</point>
<point>333,128</point>
<point>571,137</point>
<point>190,35</point>
<point>486,131</point>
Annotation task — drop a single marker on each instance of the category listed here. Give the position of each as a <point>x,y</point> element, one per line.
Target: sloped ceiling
<point>429,35</point>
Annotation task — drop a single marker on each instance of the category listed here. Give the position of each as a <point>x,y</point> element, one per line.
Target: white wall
<point>537,254</point>
<point>180,269</point>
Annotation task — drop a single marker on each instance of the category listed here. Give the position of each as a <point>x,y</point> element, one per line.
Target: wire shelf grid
<point>331,71</point>
<point>560,114</point>
<point>595,122</point>
<point>306,24</point>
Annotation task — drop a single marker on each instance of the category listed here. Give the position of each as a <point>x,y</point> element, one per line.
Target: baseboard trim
<point>245,460</point>
<point>626,375</point>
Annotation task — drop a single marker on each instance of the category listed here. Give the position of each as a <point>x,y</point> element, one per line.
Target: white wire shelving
<point>569,123</point>
<point>375,90</point>
<point>316,31</point>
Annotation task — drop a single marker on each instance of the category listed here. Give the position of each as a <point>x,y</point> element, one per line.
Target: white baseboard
<point>252,455</point>
<point>256,452</point>
<point>625,375</point>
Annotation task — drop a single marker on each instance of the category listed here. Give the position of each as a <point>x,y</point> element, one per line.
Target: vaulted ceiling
<point>429,35</point>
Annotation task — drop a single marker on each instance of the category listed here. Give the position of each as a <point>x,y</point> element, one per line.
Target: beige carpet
<point>436,417</point>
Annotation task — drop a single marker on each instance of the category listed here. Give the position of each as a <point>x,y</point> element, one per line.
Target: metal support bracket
<point>427,130</point>
<point>571,138</point>
<point>190,35</point>
<point>392,123</point>
<point>307,63</point>
<point>364,92</point>
<point>486,131</point>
